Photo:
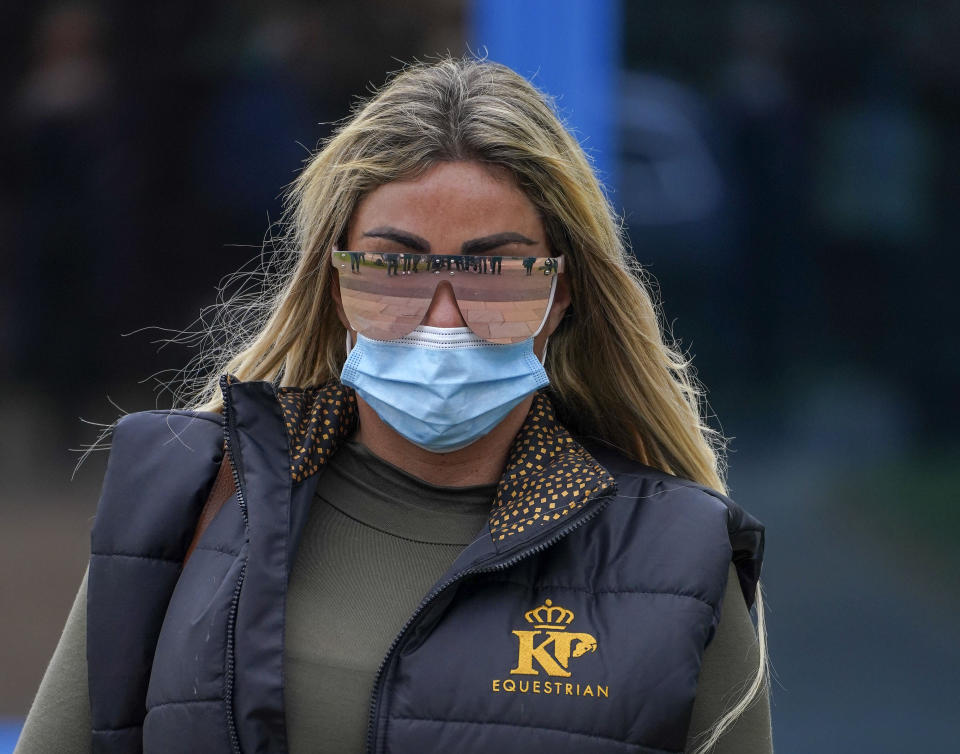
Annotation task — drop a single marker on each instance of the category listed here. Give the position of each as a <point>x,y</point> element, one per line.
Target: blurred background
<point>787,171</point>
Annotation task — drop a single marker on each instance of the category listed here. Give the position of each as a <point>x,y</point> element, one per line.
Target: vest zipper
<point>377,688</point>
<point>231,662</point>
<point>234,602</point>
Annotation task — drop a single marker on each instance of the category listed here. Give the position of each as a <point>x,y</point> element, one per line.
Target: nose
<point>443,311</point>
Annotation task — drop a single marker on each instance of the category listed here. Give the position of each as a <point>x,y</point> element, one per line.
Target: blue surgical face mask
<point>442,388</point>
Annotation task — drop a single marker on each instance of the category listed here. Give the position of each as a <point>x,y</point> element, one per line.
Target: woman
<point>336,594</point>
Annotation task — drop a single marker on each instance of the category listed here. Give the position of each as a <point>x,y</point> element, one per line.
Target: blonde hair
<point>612,374</point>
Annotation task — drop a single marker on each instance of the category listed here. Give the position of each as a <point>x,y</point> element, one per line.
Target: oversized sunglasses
<point>502,299</point>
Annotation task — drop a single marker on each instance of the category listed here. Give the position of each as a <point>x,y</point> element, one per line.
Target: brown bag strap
<point>223,488</point>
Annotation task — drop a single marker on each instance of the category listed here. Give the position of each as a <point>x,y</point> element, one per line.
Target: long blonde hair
<point>613,375</point>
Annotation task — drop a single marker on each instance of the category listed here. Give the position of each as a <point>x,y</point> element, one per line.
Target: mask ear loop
<point>546,314</point>
<point>333,251</point>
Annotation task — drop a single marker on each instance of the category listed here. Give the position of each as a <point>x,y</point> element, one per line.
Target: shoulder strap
<point>223,488</point>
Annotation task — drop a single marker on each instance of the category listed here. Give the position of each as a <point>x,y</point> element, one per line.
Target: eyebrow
<point>400,236</point>
<point>473,246</point>
<point>478,245</point>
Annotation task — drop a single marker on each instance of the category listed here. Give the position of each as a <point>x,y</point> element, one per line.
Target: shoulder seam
<point>177,702</point>
<point>597,592</point>
<point>175,412</point>
<point>116,730</point>
<point>132,556</point>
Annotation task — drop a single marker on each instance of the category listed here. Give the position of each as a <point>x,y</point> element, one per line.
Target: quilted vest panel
<point>158,476</point>
<point>584,633</point>
<point>593,644</point>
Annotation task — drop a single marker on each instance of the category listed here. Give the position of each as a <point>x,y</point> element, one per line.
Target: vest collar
<point>548,477</point>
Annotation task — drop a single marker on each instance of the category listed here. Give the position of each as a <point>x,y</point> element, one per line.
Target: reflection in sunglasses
<point>502,299</point>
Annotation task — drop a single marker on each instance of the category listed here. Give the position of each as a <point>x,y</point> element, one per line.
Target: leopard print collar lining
<point>548,474</point>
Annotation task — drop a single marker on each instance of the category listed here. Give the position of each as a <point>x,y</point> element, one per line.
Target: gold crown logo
<point>549,616</point>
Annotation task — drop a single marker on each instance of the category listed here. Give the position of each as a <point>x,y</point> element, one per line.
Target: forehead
<point>450,203</point>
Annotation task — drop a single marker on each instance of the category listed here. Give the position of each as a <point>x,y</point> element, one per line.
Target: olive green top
<point>374,543</point>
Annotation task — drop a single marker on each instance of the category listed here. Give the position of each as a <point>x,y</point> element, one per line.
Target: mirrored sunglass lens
<point>502,299</point>
<point>376,305</point>
<point>508,304</point>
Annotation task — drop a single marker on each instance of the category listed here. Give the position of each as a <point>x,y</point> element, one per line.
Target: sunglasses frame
<point>559,270</point>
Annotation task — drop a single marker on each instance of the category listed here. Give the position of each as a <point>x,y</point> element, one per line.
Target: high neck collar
<point>547,478</point>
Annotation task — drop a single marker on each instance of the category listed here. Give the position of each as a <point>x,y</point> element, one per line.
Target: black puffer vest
<point>575,622</point>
